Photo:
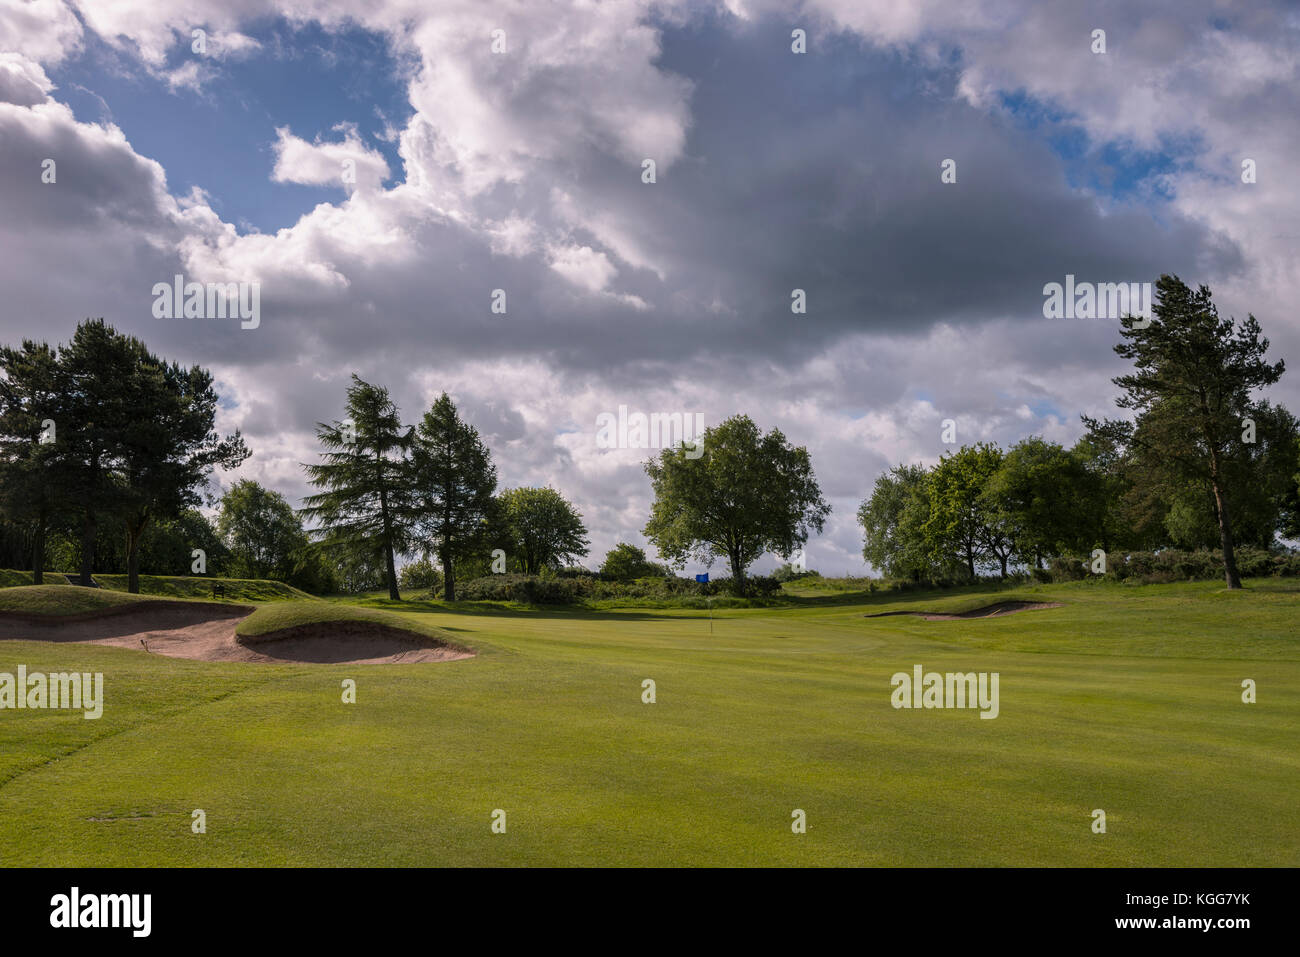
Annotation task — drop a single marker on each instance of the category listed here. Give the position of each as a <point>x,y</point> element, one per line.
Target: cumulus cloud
<point>520,170</point>
<point>346,164</point>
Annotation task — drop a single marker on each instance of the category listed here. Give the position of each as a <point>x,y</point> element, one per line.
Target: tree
<point>453,481</point>
<point>262,531</point>
<point>95,375</point>
<point>962,528</point>
<point>29,390</point>
<point>544,529</point>
<point>365,504</point>
<point>168,544</point>
<point>746,494</point>
<point>893,520</point>
<point>1191,392</point>
<point>1044,495</point>
<point>133,437</point>
<point>168,453</point>
<point>626,562</point>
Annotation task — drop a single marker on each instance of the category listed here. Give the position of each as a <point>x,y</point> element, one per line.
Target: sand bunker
<point>988,611</point>
<point>206,632</point>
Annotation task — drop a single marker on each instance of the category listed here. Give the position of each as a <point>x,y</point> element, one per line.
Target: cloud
<point>521,170</point>
<point>46,31</point>
<point>347,164</point>
<point>22,82</point>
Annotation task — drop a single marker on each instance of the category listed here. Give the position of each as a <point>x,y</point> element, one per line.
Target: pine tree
<point>1191,390</point>
<point>453,482</point>
<point>365,504</point>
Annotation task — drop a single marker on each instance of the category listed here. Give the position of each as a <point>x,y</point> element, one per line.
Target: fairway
<point>1124,699</point>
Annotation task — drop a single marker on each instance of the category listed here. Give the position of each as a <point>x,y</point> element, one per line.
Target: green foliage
<point>788,573</point>
<point>587,589</point>
<point>1191,393</point>
<point>423,576</point>
<point>1046,498</point>
<point>893,522</point>
<point>544,529</point>
<point>452,481</point>
<point>365,502</point>
<point>261,530</point>
<point>745,495</point>
<point>625,562</point>
<point>963,528</point>
<point>132,438</point>
<point>1172,564</point>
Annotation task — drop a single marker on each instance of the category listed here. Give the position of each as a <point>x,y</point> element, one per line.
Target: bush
<point>529,589</point>
<point>1172,564</point>
<point>788,573</point>
<point>566,588</point>
<point>421,576</point>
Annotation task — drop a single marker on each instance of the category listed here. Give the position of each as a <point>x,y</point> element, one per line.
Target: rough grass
<point>1126,699</point>
<point>11,579</point>
<point>237,589</point>
<point>178,586</point>
<point>56,600</point>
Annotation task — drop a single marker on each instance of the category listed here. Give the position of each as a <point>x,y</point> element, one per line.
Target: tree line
<point>1202,463</point>
<point>105,450</point>
<point>101,433</point>
<point>386,489</point>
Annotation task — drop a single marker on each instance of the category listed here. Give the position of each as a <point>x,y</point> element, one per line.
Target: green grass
<point>1125,698</point>
<point>59,600</point>
<point>237,589</point>
<point>12,579</point>
<point>269,619</point>
<point>177,586</point>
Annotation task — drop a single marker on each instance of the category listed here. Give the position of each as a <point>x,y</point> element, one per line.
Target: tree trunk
<point>392,573</point>
<point>38,552</point>
<point>1003,560</point>
<point>737,572</point>
<point>132,563</point>
<point>448,576</point>
<point>388,546</point>
<point>1225,538</point>
<point>87,548</point>
<point>970,563</point>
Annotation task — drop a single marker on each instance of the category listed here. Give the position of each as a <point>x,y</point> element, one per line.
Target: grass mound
<point>271,621</point>
<point>10,578</point>
<point>176,586</point>
<point>237,589</point>
<point>60,600</point>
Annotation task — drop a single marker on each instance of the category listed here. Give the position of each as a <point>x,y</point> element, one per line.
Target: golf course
<point>1122,698</point>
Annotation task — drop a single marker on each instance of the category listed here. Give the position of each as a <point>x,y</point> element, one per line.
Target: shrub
<point>1171,564</point>
<point>421,576</point>
<point>788,573</point>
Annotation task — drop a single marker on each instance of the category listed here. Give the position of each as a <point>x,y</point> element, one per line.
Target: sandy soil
<point>988,611</point>
<point>206,632</point>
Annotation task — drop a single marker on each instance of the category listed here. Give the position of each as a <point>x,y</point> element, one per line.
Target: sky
<point>380,168</point>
